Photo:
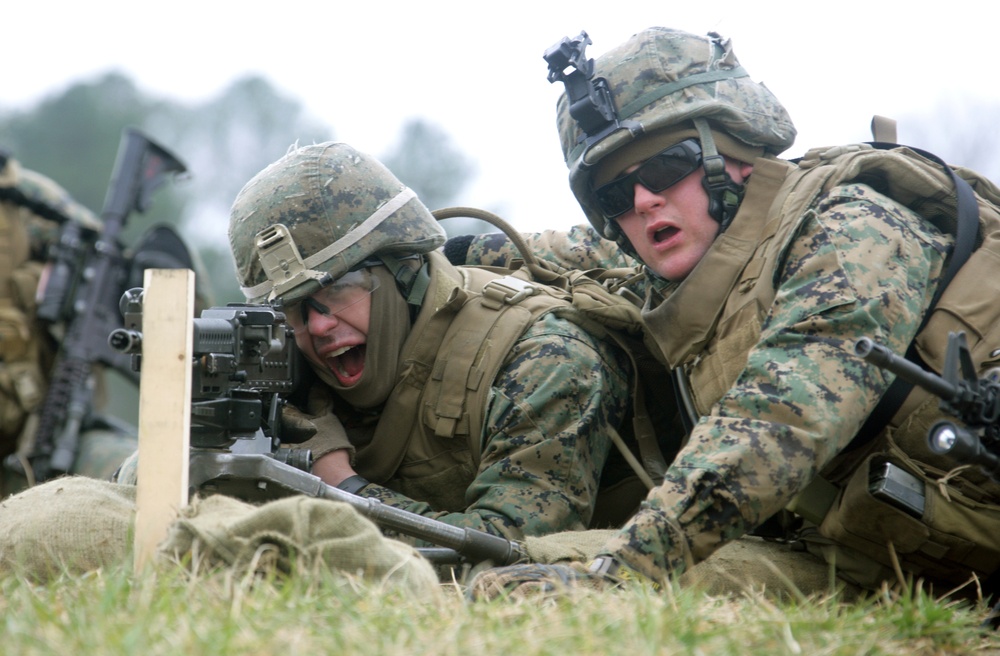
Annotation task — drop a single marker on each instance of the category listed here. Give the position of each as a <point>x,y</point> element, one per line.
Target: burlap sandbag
<point>745,565</point>
<point>73,525</point>
<point>294,533</point>
<point>76,524</point>
<point>568,545</point>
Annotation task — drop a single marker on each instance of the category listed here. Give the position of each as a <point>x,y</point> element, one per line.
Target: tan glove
<point>537,579</point>
<point>321,434</point>
<point>534,580</point>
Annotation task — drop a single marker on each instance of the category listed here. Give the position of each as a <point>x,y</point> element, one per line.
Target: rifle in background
<point>83,289</point>
<point>974,401</point>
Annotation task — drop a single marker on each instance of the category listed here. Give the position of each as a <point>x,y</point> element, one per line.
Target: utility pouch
<point>887,511</point>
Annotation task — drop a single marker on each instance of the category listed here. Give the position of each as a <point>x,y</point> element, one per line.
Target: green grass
<point>171,612</point>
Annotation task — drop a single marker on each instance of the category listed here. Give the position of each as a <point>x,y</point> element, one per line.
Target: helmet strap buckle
<point>281,261</point>
<point>412,282</point>
<point>724,195</point>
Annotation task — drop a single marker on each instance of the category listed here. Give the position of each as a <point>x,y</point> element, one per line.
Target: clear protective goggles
<point>659,172</point>
<point>332,299</point>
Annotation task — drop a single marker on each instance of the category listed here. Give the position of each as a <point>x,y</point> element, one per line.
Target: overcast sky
<point>476,68</point>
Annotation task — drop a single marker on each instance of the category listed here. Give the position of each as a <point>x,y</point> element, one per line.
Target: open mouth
<point>665,234</point>
<point>347,363</point>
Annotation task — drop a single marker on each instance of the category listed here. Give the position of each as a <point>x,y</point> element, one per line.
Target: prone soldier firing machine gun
<point>245,365</point>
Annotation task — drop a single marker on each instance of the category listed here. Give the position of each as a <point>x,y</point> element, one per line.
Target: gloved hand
<point>321,434</point>
<point>538,579</point>
<point>533,580</point>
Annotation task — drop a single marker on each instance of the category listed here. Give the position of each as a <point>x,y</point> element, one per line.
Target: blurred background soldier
<point>34,210</point>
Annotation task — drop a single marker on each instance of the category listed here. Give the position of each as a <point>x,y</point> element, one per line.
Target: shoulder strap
<point>966,233</point>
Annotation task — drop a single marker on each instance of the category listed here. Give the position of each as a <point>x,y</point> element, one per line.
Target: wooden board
<point>164,406</point>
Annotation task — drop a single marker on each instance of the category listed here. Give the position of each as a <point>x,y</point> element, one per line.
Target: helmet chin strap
<point>412,281</point>
<point>724,194</point>
<point>614,232</point>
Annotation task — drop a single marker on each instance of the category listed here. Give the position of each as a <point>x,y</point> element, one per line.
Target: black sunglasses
<point>657,173</point>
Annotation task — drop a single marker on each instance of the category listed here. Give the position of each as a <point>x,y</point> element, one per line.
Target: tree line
<point>72,137</point>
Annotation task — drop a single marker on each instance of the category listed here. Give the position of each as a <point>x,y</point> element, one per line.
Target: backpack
<point>954,525</point>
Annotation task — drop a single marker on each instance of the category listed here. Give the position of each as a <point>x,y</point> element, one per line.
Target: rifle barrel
<point>883,357</point>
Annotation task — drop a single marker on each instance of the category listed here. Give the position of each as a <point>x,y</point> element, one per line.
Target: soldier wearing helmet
<point>761,275</point>
<point>452,392</point>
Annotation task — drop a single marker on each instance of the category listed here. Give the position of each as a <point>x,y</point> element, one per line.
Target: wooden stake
<point>164,406</point>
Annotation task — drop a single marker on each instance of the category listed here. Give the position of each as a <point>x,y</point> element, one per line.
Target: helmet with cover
<point>667,86</point>
<point>316,214</point>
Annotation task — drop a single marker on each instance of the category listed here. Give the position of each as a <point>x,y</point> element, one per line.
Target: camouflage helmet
<point>42,204</point>
<point>50,201</point>
<point>668,85</point>
<point>317,213</point>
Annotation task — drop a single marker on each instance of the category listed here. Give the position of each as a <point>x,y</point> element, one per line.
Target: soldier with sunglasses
<point>761,274</point>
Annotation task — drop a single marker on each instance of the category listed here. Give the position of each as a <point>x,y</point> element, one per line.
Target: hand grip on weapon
<point>321,433</point>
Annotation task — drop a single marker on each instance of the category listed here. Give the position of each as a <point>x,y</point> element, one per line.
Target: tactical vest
<point>709,329</point>
<point>427,443</point>
<point>428,440</point>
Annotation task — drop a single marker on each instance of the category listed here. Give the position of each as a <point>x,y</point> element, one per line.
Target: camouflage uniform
<point>545,437</point>
<point>520,454</point>
<point>763,328</point>
<point>34,206</point>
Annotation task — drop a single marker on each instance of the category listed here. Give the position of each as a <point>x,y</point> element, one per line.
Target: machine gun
<point>83,288</point>
<point>974,401</point>
<point>246,364</point>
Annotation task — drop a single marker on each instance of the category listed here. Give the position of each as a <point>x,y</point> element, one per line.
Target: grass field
<point>172,612</point>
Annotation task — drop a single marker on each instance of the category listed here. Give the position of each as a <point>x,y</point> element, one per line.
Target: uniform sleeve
<point>547,435</point>
<point>859,266</point>
<point>579,248</point>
